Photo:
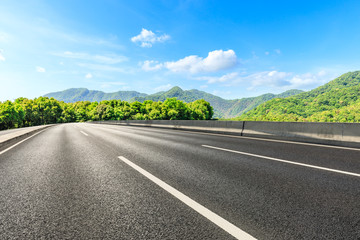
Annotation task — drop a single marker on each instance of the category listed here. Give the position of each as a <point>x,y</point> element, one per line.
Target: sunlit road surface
<point>88,181</point>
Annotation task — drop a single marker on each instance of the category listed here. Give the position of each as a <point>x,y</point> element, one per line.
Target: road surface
<point>90,181</point>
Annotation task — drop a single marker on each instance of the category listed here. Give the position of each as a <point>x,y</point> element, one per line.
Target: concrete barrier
<point>13,136</point>
<point>226,127</point>
<point>343,134</point>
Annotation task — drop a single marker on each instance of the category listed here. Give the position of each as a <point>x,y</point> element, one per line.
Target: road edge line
<point>245,137</point>
<point>284,161</point>
<point>12,146</point>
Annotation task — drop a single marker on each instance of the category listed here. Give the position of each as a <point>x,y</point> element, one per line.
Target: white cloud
<point>275,80</point>
<point>151,65</point>
<point>277,51</point>
<point>89,75</point>
<point>225,78</point>
<point>147,38</point>
<point>105,59</point>
<point>267,53</point>
<point>309,80</point>
<point>2,58</point>
<point>40,69</point>
<point>163,87</point>
<point>268,78</point>
<point>282,80</point>
<point>215,61</point>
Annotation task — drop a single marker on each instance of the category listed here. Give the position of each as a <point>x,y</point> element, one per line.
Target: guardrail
<point>343,134</point>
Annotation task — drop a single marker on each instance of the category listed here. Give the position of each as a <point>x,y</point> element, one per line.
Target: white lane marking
<point>284,161</point>
<point>280,141</point>
<point>255,138</point>
<point>21,142</point>
<point>213,217</point>
<point>84,133</point>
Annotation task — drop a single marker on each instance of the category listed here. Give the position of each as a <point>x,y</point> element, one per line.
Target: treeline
<point>25,112</point>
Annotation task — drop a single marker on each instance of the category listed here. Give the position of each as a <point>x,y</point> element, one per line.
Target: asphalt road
<point>68,182</point>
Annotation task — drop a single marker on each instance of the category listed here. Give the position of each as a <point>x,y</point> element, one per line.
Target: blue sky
<point>233,49</point>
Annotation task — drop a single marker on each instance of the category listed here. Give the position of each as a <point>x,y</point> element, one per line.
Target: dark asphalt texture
<point>61,184</point>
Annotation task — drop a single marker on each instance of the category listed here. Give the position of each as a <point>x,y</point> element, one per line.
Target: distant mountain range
<point>83,94</point>
<point>335,101</point>
<point>222,108</point>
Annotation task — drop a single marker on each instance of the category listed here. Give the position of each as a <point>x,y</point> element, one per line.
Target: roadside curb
<point>10,139</point>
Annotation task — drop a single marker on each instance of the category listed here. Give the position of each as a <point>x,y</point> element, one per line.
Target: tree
<point>31,112</point>
<point>8,115</point>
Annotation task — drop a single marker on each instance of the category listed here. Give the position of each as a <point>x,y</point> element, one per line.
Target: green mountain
<point>222,108</point>
<point>83,94</point>
<point>219,104</point>
<point>246,104</point>
<point>336,101</point>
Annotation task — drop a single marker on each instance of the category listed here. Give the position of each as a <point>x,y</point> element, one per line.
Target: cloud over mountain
<point>215,61</point>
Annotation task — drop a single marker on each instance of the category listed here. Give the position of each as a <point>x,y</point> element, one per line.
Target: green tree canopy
<point>25,112</point>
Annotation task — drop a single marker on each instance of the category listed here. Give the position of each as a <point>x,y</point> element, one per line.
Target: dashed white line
<point>84,133</point>
<point>213,217</point>
<point>284,161</point>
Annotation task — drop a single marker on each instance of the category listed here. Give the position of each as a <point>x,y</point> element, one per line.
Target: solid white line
<point>284,161</point>
<point>21,142</point>
<point>213,217</point>
<point>253,138</point>
<point>84,133</point>
<point>280,141</point>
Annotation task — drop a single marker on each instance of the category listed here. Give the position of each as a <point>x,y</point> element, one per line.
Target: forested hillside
<point>222,108</point>
<point>25,112</point>
<point>246,104</point>
<point>336,101</point>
